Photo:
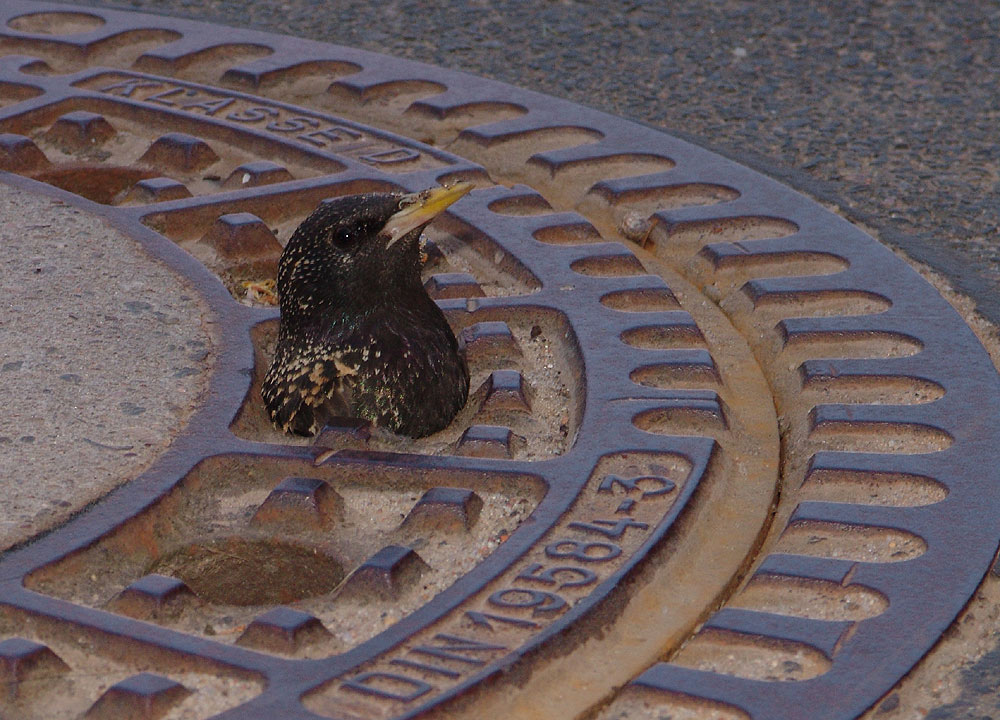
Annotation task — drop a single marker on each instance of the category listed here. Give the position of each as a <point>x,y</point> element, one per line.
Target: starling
<point>359,336</point>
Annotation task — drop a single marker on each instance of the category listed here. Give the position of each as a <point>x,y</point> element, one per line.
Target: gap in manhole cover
<point>717,460</point>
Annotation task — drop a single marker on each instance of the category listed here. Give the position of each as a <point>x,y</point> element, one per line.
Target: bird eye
<point>343,238</point>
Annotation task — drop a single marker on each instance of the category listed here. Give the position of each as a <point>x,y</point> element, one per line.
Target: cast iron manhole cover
<point>726,455</point>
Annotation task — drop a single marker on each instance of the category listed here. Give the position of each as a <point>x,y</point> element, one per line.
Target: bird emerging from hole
<point>358,335</point>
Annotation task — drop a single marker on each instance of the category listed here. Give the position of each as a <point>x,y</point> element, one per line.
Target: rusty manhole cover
<point>724,456</point>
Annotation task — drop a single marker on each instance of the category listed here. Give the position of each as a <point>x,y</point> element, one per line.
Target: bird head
<point>357,249</point>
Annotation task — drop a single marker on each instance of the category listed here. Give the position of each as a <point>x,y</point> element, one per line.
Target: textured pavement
<point>83,308</point>
<point>888,111</point>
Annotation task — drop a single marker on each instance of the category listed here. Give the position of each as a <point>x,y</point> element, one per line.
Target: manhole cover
<point>725,455</point>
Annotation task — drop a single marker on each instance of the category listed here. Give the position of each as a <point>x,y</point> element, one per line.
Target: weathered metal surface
<point>737,422</point>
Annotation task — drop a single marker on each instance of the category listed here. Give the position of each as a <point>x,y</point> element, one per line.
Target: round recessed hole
<point>99,184</point>
<point>236,571</point>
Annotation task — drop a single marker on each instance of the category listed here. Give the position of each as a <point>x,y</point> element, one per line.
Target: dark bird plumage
<point>358,334</point>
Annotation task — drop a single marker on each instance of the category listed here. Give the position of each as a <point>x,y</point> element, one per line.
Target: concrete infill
<point>104,356</point>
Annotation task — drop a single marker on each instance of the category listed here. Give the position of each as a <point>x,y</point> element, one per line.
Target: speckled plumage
<point>358,335</point>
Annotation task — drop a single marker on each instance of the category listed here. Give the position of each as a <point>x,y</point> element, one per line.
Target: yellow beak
<point>420,208</point>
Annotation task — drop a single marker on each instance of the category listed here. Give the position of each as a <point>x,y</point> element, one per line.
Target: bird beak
<point>420,208</point>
